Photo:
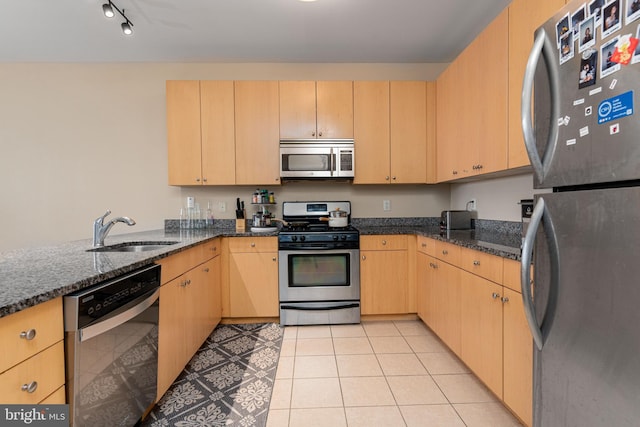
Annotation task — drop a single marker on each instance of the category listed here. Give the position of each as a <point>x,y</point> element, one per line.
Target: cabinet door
<point>445,304</point>
<point>334,114</point>
<point>257,133</point>
<point>525,16</point>
<point>218,133</point>
<point>489,66</point>
<point>451,120</point>
<point>202,291</point>
<point>425,278</point>
<point>383,282</point>
<point>518,357</point>
<point>371,132</point>
<point>297,109</point>
<point>172,354</point>
<point>253,284</point>
<point>183,132</point>
<point>481,329</point>
<point>408,132</point>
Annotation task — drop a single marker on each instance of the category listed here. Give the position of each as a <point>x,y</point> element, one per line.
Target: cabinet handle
<point>386,178</point>
<point>274,259</point>
<point>495,295</point>
<point>197,179</point>
<point>364,257</point>
<point>319,133</point>
<point>445,252</point>
<point>204,179</point>
<point>253,245</point>
<point>476,262</point>
<point>206,270</point>
<point>28,335</point>
<point>313,133</point>
<point>213,249</point>
<point>393,178</point>
<point>29,388</point>
<point>505,300</point>
<point>454,172</point>
<point>433,265</point>
<point>384,242</point>
<point>424,245</point>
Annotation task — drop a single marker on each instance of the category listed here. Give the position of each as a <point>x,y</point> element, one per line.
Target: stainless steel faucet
<point>100,230</point>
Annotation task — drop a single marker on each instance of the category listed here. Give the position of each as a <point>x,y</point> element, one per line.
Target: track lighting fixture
<point>127,25</point>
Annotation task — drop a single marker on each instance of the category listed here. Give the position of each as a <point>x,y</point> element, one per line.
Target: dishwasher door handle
<point>127,313</point>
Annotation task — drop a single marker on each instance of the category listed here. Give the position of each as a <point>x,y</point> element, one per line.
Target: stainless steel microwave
<point>316,159</point>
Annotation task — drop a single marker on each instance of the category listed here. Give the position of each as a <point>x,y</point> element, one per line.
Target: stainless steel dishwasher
<point>111,349</point>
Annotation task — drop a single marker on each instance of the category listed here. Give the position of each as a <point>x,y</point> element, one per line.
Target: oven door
<point>319,275</point>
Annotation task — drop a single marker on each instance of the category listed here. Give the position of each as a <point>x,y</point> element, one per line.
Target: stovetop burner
<point>307,227</point>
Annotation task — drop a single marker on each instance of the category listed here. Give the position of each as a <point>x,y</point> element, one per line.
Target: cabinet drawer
<point>46,369</point>
<point>426,245</point>
<point>210,249</point>
<point>481,264</point>
<point>384,243</point>
<point>58,397</point>
<point>253,244</point>
<point>511,276</point>
<point>44,319</point>
<point>178,263</point>
<point>448,252</point>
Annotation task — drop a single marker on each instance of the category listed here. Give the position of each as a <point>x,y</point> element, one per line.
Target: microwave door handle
<point>332,163</point>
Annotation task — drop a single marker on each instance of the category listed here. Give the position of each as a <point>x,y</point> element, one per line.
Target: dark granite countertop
<point>34,275</point>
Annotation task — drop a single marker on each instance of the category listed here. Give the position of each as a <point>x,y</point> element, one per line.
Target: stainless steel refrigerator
<point>582,134</point>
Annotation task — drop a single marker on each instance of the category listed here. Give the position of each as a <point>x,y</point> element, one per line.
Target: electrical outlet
<point>222,206</point>
<point>386,205</point>
<point>472,205</point>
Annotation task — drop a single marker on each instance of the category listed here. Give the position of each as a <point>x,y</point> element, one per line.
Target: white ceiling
<point>327,31</point>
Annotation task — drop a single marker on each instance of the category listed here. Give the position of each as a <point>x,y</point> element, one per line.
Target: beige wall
<point>495,198</point>
<point>76,139</point>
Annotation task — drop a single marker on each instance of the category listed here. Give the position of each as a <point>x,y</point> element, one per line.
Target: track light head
<point>126,28</point>
<point>108,10</point>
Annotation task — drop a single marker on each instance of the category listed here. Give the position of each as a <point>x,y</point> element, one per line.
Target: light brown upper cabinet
<point>392,122</point>
<point>472,107</point>
<point>200,132</point>
<point>316,110</point>
<point>257,135</point>
<point>525,16</point>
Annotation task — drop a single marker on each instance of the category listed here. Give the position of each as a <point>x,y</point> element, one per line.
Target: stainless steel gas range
<point>319,266</point>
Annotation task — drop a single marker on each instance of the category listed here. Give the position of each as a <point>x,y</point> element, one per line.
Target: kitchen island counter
<point>34,275</point>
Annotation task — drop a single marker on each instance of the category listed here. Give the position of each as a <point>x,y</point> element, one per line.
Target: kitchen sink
<point>133,246</point>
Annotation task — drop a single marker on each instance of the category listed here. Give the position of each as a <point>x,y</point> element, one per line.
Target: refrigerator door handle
<point>525,273</point>
<point>542,45</point>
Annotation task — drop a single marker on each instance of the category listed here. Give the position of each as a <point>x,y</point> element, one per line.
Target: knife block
<point>241,225</point>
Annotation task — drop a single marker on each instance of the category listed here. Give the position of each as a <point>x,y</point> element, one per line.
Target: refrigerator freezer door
<point>594,124</point>
<point>588,371</point>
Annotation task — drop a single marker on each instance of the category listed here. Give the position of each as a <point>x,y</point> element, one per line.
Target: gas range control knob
<point>294,238</point>
<point>343,237</point>
<point>302,238</point>
<point>335,237</point>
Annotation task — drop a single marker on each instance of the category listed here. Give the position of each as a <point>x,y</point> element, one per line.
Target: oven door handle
<point>120,316</point>
<point>332,307</point>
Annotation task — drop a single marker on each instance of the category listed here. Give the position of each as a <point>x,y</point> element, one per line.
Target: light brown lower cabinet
<point>32,355</point>
<point>190,307</point>
<point>481,320</point>
<point>253,277</point>
<point>384,278</point>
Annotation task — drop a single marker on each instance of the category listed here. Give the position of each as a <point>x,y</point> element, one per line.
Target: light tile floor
<point>378,373</point>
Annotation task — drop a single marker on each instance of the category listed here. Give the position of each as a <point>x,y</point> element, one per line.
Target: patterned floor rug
<point>227,383</point>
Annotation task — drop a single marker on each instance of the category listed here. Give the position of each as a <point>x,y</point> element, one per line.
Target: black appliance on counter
<point>319,266</point>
